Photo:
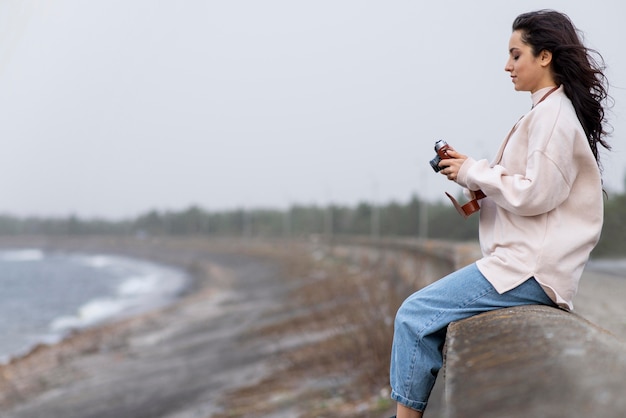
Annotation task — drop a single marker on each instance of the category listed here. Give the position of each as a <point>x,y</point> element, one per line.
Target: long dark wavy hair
<point>577,68</point>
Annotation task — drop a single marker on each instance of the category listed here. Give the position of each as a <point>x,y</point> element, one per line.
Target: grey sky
<point>111,108</point>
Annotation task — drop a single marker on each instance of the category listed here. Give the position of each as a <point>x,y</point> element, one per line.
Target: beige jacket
<point>544,207</point>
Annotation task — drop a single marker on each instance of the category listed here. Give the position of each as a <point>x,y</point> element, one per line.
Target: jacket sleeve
<point>540,190</point>
<point>542,180</point>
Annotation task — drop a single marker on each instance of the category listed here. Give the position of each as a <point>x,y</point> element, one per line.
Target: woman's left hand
<point>452,165</point>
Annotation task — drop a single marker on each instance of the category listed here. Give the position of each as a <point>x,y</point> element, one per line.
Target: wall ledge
<point>533,361</point>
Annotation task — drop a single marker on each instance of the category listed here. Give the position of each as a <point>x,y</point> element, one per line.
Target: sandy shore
<point>181,361</point>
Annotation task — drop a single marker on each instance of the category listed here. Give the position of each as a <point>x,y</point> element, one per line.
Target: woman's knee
<point>411,312</point>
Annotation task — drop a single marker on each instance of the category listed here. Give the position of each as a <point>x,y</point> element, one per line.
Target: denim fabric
<point>422,321</point>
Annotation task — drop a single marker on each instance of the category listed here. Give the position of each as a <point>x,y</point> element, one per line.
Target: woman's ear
<point>545,58</point>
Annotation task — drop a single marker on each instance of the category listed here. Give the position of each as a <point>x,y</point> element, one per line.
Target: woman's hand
<point>452,165</point>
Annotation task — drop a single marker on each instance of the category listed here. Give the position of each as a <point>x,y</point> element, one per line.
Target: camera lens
<point>440,144</point>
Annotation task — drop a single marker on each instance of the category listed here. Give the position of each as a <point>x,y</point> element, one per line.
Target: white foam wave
<point>91,313</point>
<point>147,286</point>
<point>29,254</point>
<point>140,285</point>
<point>99,261</point>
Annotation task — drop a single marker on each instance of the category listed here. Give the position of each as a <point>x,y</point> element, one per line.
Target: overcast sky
<point>115,107</point>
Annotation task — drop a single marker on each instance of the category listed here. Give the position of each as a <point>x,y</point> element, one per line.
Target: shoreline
<point>186,357</point>
<point>193,283</point>
<point>173,284</point>
<point>121,353</point>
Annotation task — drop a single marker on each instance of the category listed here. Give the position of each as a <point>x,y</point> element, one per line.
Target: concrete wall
<point>533,361</point>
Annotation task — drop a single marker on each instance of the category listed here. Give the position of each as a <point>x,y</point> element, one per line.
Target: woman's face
<point>528,73</point>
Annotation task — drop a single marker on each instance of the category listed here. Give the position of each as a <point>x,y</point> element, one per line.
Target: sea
<point>45,296</point>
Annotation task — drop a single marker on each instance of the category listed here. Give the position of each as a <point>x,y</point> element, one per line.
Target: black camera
<point>441,148</point>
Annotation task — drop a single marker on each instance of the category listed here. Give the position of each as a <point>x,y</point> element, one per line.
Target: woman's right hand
<point>453,164</point>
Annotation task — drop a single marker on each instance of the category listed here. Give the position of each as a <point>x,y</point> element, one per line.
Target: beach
<point>176,361</point>
<point>197,356</point>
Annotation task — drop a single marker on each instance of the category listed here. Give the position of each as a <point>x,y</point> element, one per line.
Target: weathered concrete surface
<point>533,362</point>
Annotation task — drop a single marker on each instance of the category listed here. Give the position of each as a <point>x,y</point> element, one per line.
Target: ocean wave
<point>145,286</point>
<point>91,313</point>
<point>140,285</point>
<point>27,254</point>
<point>99,261</point>
<point>54,294</point>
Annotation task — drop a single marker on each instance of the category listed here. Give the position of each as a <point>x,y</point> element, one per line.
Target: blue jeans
<point>422,321</point>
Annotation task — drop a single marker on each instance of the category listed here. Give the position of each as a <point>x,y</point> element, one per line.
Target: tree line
<point>414,218</point>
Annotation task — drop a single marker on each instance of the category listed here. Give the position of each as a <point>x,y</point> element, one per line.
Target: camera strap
<point>470,207</point>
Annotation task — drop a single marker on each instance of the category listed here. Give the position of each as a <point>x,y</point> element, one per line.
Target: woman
<point>542,215</point>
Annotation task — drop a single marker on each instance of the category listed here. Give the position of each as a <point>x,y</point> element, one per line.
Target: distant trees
<point>72,225</point>
<point>415,218</point>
